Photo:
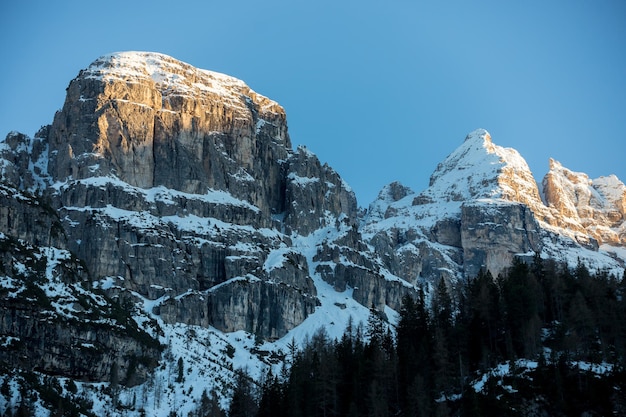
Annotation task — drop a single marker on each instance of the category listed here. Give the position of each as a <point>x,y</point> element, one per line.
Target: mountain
<point>162,233</point>
<point>483,208</point>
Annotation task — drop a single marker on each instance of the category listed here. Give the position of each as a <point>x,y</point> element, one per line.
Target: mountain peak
<point>592,207</point>
<point>168,217</point>
<point>127,112</point>
<point>481,169</point>
<point>172,77</point>
<point>479,134</point>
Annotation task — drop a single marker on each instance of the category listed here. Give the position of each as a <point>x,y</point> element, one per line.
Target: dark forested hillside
<point>539,340</point>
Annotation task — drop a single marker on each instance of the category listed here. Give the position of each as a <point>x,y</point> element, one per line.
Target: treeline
<point>441,360</point>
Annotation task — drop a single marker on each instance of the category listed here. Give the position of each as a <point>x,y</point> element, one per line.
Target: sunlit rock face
<point>483,208</point>
<point>596,208</point>
<point>151,120</point>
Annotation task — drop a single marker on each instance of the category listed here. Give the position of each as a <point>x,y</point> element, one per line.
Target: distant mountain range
<point>162,233</point>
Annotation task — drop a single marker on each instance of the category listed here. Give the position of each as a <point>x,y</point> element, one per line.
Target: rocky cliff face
<point>592,209</point>
<point>51,319</point>
<point>483,208</point>
<point>164,214</point>
<point>178,194</point>
<point>179,182</point>
<point>150,120</point>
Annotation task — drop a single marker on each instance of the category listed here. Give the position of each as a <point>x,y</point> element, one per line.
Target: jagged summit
<point>479,134</point>
<point>578,204</point>
<point>592,212</point>
<point>481,169</point>
<point>150,120</point>
<point>483,207</point>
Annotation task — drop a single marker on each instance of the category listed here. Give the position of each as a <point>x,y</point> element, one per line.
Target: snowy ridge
<point>160,193</point>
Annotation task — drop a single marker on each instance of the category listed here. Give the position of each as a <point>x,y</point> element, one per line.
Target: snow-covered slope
<point>171,78</point>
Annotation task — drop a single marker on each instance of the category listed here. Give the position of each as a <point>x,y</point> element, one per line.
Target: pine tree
<point>243,403</point>
<point>180,377</point>
<point>522,302</point>
<point>271,403</point>
<point>375,330</point>
<point>413,348</point>
<point>484,322</point>
<point>441,339</point>
<point>581,327</point>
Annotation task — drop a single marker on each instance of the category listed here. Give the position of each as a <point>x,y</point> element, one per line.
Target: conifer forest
<point>539,340</point>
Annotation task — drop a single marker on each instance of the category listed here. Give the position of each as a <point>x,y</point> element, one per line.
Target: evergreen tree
<point>180,377</point>
<point>443,372</point>
<point>271,403</point>
<point>378,372</point>
<point>522,298</point>
<point>413,349</point>
<point>375,330</point>
<point>581,328</point>
<point>484,322</point>
<point>554,289</point>
<point>442,307</point>
<point>243,403</point>
<point>210,405</point>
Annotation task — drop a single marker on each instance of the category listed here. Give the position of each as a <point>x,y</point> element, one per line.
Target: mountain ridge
<point>480,172</point>
<point>168,201</point>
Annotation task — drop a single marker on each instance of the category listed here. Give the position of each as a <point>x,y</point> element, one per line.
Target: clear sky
<point>380,90</point>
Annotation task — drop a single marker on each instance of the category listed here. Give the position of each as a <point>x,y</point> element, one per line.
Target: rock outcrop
<point>50,319</point>
<point>593,209</point>
<point>150,120</point>
<point>494,232</point>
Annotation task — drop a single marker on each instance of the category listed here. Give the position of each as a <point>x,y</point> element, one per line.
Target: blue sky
<point>381,91</point>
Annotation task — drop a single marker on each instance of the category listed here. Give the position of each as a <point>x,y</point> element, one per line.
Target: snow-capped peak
<point>481,169</point>
<point>479,134</point>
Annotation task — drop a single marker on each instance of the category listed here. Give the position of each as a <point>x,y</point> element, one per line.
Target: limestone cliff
<point>593,208</point>
<point>151,120</point>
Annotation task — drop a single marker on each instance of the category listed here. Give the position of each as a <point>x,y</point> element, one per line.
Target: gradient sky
<point>380,90</point>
